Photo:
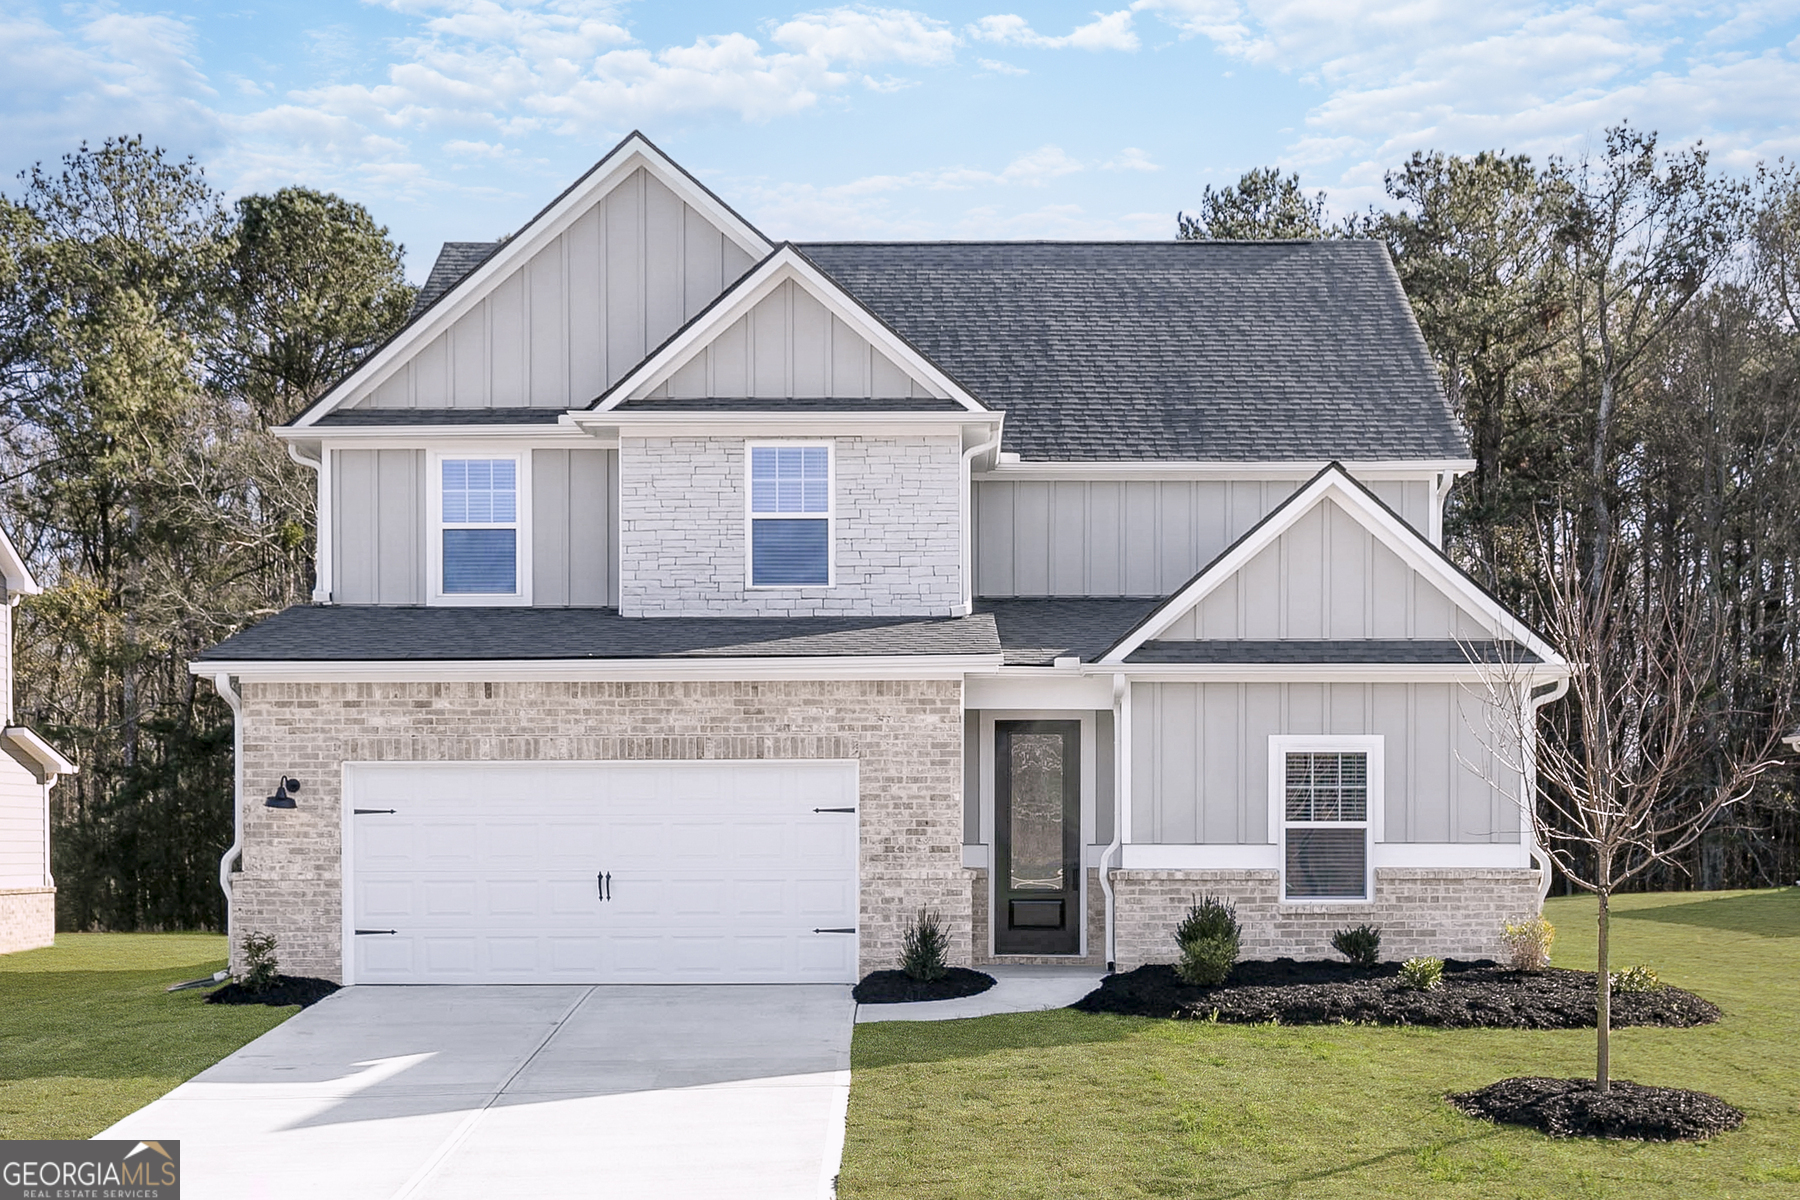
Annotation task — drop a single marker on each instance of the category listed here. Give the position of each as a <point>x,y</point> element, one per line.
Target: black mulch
<point>1474,995</point>
<point>1572,1108</point>
<point>897,987</point>
<point>303,990</point>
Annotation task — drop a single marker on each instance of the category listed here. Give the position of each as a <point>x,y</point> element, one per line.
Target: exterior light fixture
<point>284,794</point>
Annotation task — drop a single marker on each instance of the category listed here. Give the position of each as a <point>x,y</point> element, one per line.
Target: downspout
<point>1534,701</point>
<point>1107,856</point>
<point>222,684</point>
<point>321,536</point>
<point>968,517</point>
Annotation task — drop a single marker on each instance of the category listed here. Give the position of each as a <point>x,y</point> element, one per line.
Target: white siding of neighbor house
<point>1200,759</point>
<point>1326,577</point>
<point>577,315</point>
<point>22,818</point>
<point>789,345</point>
<point>1128,538</point>
<point>380,521</point>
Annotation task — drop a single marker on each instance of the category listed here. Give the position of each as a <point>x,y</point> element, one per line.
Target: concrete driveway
<point>440,1093</point>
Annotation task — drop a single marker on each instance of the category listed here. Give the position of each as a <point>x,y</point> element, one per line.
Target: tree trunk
<point>1603,986</point>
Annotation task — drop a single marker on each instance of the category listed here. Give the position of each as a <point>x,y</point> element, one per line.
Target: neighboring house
<point>693,606</point>
<point>28,770</point>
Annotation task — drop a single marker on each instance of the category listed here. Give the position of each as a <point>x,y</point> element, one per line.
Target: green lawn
<point>87,1033</point>
<point>1063,1104</point>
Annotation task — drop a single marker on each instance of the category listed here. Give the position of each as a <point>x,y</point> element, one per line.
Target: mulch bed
<point>897,987</point>
<point>1572,1108</point>
<point>303,990</point>
<point>1474,995</point>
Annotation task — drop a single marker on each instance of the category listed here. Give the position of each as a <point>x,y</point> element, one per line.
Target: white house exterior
<point>693,606</point>
<point>28,770</point>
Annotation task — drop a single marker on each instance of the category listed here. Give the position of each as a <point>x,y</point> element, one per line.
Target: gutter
<point>1116,846</point>
<point>222,683</point>
<point>968,514</point>
<point>1534,701</point>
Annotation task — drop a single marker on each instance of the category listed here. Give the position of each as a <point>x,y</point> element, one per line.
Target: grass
<point>1066,1104</point>
<point>88,1033</point>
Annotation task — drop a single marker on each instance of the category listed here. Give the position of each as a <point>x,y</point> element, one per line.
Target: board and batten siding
<point>1093,537</point>
<point>1200,759</point>
<point>1326,577</point>
<point>580,313</point>
<point>22,817</point>
<point>380,521</point>
<point>790,345</point>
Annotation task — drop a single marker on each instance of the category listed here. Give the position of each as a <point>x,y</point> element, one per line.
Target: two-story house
<point>29,768</point>
<point>693,606</point>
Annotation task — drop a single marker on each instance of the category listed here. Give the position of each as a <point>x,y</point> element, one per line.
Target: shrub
<point>1422,974</point>
<point>1361,944</point>
<point>923,946</point>
<point>1528,941</point>
<point>259,962</point>
<point>1635,979</point>
<point>1208,937</point>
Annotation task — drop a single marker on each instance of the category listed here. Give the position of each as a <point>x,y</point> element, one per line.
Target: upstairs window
<point>790,515</point>
<point>1328,790</point>
<point>480,526</point>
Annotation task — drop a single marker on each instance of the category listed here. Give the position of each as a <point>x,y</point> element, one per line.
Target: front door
<point>1037,837</point>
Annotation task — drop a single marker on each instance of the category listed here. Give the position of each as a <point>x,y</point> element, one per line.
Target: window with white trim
<point>479,526</point>
<point>1327,796</point>
<point>790,517</point>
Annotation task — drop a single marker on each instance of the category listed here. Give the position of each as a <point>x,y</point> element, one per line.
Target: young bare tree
<point>1619,787</point>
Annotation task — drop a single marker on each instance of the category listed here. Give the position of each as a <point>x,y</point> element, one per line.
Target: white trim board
<point>601,670</point>
<point>1410,470</point>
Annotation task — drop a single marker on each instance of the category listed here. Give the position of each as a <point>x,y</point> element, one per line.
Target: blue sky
<point>459,118</point>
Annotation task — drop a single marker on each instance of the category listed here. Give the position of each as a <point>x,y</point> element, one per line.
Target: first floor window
<point>1325,804</point>
<point>790,516</point>
<point>480,533</point>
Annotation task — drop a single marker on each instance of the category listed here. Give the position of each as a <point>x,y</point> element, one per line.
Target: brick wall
<point>907,736</point>
<point>27,918</point>
<point>980,897</point>
<point>897,550</point>
<point>1446,913</point>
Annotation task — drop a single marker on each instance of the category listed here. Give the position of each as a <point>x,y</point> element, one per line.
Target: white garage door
<point>642,872</point>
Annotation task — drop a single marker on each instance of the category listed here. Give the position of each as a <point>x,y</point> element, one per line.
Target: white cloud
<point>863,36</point>
<point>1131,159</point>
<point>1000,68</point>
<point>1107,31</point>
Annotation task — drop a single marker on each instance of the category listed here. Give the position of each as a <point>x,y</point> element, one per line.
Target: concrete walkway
<point>1016,989</point>
<point>459,1093</point>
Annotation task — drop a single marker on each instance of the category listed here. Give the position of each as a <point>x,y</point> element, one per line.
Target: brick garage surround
<point>27,918</point>
<point>905,734</point>
<point>1449,913</point>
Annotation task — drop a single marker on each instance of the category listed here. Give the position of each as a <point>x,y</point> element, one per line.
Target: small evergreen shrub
<point>1528,941</point>
<point>1422,974</point>
<point>1361,944</point>
<point>259,962</point>
<point>923,946</point>
<point>1640,978</point>
<point>1208,937</point>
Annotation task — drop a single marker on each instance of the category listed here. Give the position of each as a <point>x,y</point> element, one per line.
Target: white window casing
<point>789,498</point>
<point>1326,810</point>
<point>520,524</point>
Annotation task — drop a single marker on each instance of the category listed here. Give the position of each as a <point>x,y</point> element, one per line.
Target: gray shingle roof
<point>363,633</point>
<point>1168,350</point>
<point>454,260</point>
<point>792,404</point>
<point>1037,632</point>
<point>1366,650</point>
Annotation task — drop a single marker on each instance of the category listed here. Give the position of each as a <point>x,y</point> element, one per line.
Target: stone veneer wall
<point>27,918</point>
<point>980,939</point>
<point>1450,913</point>
<point>907,736</point>
<point>897,547</point>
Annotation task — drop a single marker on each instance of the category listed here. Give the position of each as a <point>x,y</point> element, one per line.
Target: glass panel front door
<point>1037,818</point>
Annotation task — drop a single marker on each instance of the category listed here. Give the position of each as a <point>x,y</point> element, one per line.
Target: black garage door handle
<point>603,884</point>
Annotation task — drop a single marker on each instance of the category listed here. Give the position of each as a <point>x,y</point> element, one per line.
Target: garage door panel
<point>719,872</point>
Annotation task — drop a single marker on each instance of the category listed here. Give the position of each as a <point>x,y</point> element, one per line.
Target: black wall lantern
<point>284,794</point>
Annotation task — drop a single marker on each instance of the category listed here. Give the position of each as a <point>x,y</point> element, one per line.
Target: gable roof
<point>1389,529</point>
<point>454,261</point>
<point>459,292</point>
<point>1168,350</point>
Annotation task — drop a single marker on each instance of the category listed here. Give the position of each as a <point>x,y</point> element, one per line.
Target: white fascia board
<point>461,439</point>
<point>751,423</point>
<point>13,568</point>
<point>1392,532</point>
<point>603,177</point>
<point>946,666</point>
<point>785,265</point>
<point>50,763</point>
<point>1513,673</point>
<point>1384,469</point>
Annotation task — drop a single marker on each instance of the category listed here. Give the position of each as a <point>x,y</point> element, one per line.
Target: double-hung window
<point>479,530</point>
<point>1327,794</point>
<point>790,515</point>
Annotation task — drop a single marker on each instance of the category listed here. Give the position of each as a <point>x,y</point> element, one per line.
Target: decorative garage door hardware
<point>361,932</point>
<point>360,811</point>
<point>603,884</point>
<point>848,810</point>
<point>852,929</point>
